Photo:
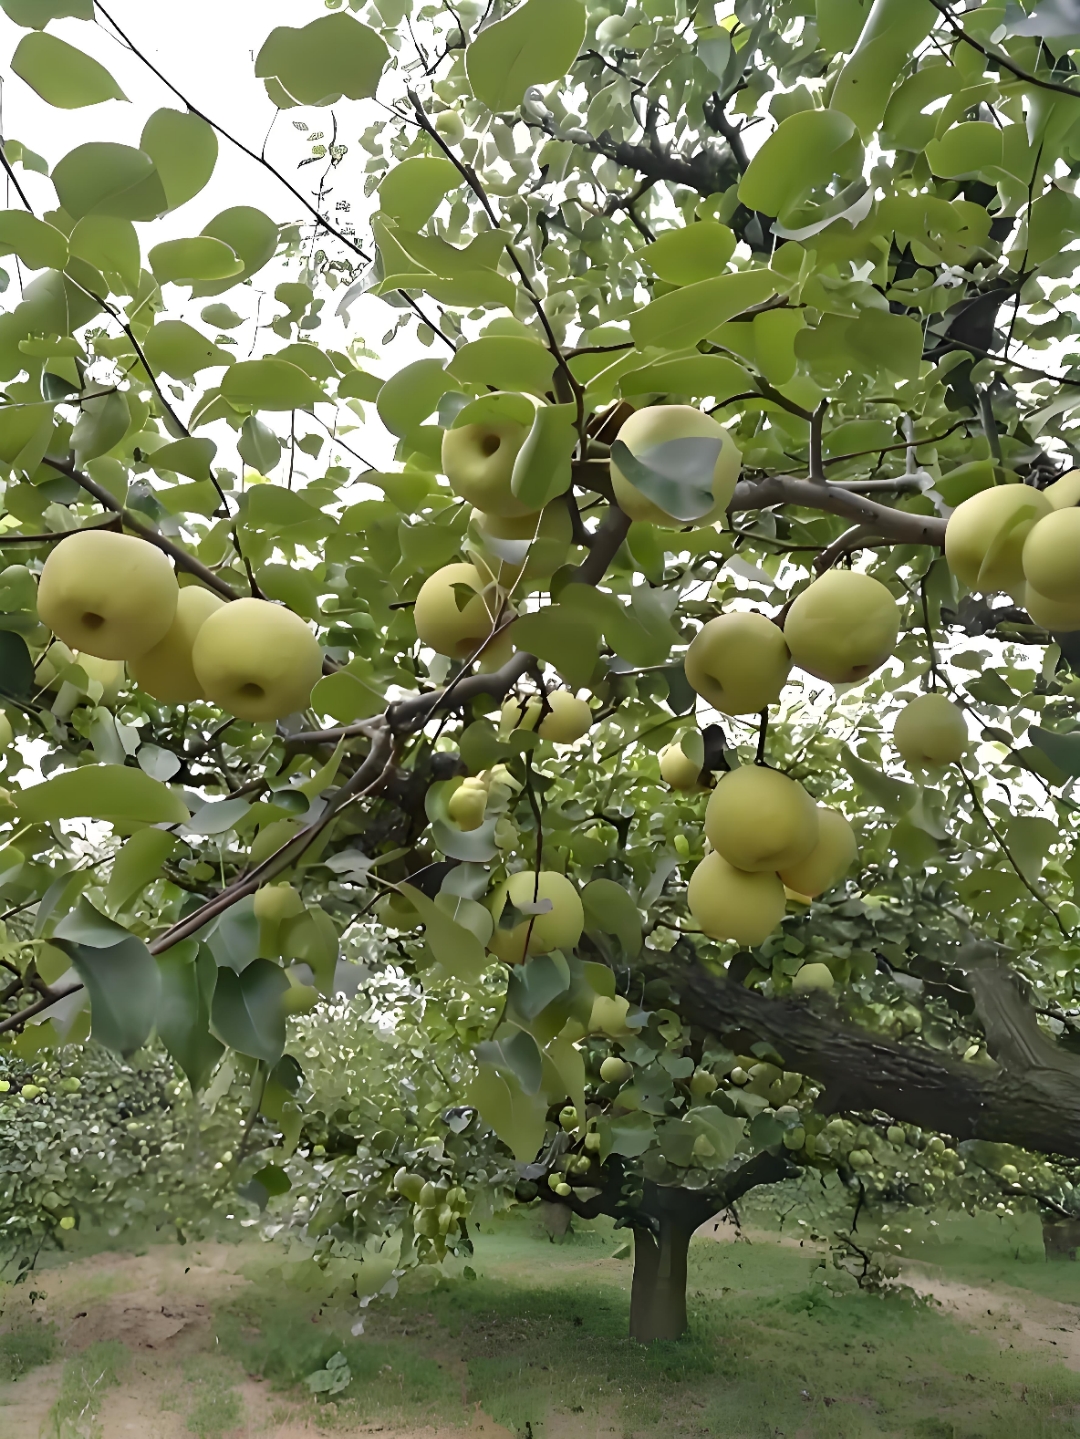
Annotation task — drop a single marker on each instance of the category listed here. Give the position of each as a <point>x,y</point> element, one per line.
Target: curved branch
<point>892,524</point>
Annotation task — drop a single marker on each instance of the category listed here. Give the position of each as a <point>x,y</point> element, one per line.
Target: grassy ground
<point>174,1343</point>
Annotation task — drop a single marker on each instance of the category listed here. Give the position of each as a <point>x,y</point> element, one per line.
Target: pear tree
<point>665,610</point>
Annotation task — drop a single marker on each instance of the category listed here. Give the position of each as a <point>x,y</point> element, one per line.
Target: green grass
<point>24,1348</point>
<point>86,1378</point>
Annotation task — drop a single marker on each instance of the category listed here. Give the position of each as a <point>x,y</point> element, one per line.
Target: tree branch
<point>900,525</point>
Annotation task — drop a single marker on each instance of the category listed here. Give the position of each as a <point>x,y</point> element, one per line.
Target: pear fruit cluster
<point>767,834</point>
<point>114,598</point>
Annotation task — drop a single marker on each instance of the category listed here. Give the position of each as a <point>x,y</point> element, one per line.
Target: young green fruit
<point>107,594</point>
<point>657,425</point>
<point>1051,556</point>
<point>608,1015</point>
<point>166,671</point>
<point>677,770</point>
<point>558,926</point>
<point>729,903</point>
<point>842,627</point>
<point>593,1143</point>
<point>984,539</point>
<point>568,1117</point>
<point>478,460</point>
<point>738,663</point>
<point>468,802</point>
<point>811,977</point>
<point>299,998</point>
<point>441,624</point>
<point>257,660</point>
<point>702,1083</point>
<point>568,718</point>
<point>276,902</point>
<point>830,859</point>
<point>930,730</point>
<point>760,820</point>
<point>409,1185</point>
<point>614,1070</point>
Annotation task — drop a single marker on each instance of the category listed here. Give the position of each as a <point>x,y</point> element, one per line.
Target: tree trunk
<point>658,1294</point>
<point>1061,1237</point>
<point>556,1219</point>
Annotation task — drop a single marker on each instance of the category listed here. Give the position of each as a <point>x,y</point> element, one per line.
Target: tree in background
<point>713,626</point>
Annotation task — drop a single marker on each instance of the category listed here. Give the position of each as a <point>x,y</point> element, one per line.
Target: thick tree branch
<point>891,524</point>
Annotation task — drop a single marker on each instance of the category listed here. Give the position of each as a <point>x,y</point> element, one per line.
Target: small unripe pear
<point>608,1015</point>
<point>729,903</point>
<point>593,1143</point>
<point>468,803</point>
<point>738,663</point>
<point>450,126</point>
<point>678,771</point>
<point>521,713</point>
<point>984,539</point>
<point>299,998</point>
<point>830,859</point>
<point>568,1117</point>
<point>656,425</point>
<point>842,627</point>
<point>702,1083</point>
<point>408,1185</point>
<point>276,902</point>
<point>760,820</point>
<point>614,1070</point>
<point>107,594</point>
<point>930,730</point>
<point>1051,556</point>
<point>813,976</point>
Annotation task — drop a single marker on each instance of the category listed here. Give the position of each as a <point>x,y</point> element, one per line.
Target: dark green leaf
<point>16,666</point>
<point>119,973</point>
<point>248,1014</point>
<point>188,979</point>
<point>677,475</point>
<point>1063,749</point>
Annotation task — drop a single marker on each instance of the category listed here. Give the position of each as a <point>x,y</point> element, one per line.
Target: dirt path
<point>1016,1318</point>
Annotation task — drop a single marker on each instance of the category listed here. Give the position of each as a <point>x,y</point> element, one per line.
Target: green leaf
<point>1029,838</point>
<point>514,1053</point>
<point>992,690</point>
<point>893,31</point>
<point>292,587</point>
<point>38,245</point>
<point>696,375</point>
<point>313,938</point>
<point>534,985</point>
<point>516,1117</point>
<point>410,396</point>
<point>681,319</point>
<point>103,423</point>
<point>119,973</point>
<point>173,347</point>
<point>895,796</point>
<point>965,150</point>
<point>36,14</point>
<point>319,63</point>
<point>24,433</point>
<point>111,245</point>
<point>456,948</point>
<point>696,252</point>
<point>676,475</point>
<point>188,980</point>
<point>62,75</point>
<point>247,1011</point>
<point>106,179</point>
<point>249,232</point>
<point>564,638</point>
<point>358,385</point>
<point>610,909</point>
<point>1063,749</point>
<point>542,468</point>
<point>16,666</point>
<point>137,865</point>
<point>190,457</point>
<point>222,317</point>
<point>536,45</point>
<point>270,385</point>
<point>413,189</point>
<point>110,792</point>
<point>199,258</point>
<point>257,446</point>
<point>346,697</point>
<point>505,362</point>
<point>804,151</point>
<point>630,1134</point>
<point>184,150</point>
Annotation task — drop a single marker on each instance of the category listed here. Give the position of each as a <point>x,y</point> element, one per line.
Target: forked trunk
<point>1061,1237</point>
<point>658,1295</point>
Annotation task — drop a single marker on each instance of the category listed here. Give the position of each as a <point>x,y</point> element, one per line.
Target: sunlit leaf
<point>62,75</point>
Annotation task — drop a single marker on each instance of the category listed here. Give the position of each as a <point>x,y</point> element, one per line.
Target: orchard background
<point>564,690</point>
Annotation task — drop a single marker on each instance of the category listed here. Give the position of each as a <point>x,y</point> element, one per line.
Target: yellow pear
<point>758,819</point>
<point>813,977</point>
<point>446,628</point>
<point>984,539</point>
<point>738,663</point>
<point>276,902</point>
<point>829,860</point>
<point>677,770</point>
<point>107,594</point>
<point>728,903</point>
<point>1053,615</point>
<point>842,627</point>
<point>559,927</point>
<point>567,719</point>
<point>108,673</point>
<point>478,460</point>
<point>1064,493</point>
<point>468,802</point>
<point>1051,556</point>
<point>166,671</point>
<point>930,730</point>
<point>656,425</point>
<point>257,660</point>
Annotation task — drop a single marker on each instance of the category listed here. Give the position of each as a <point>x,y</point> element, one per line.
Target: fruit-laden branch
<point>891,524</point>
<point>1030,1096</point>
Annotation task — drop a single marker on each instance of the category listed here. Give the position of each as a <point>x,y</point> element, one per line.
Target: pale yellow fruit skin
<point>275,902</point>
<point>439,622</point>
<point>1051,614</point>
<point>108,673</point>
<point>108,595</point>
<point>569,718</point>
<point>7,734</point>
<point>257,660</point>
<point>678,771</point>
<point>478,460</point>
<point>1051,557</point>
<point>728,903</point>
<point>758,820</point>
<point>550,532</point>
<point>166,671</point>
<point>930,730</point>
<point>516,715</point>
<point>842,627</point>
<point>1064,493</point>
<point>813,977</point>
<point>738,663</point>
<point>559,928</point>
<point>984,539</point>
<point>830,859</point>
<point>654,426</point>
<point>468,803</point>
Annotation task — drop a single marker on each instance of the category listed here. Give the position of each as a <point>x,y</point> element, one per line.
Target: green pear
<point>558,927</point>
<point>478,460</point>
<point>444,626</point>
<point>842,627</point>
<point>930,730</point>
<point>568,717</point>
<point>468,803</point>
<point>760,820</point>
<point>256,660</point>
<point>1053,615</point>
<point>614,1070</point>
<point>166,671</point>
<point>109,595</point>
<point>738,663</point>
<point>812,977</point>
<point>1051,556</point>
<point>984,539</point>
<point>656,425</point>
<point>677,770</point>
<point>830,859</point>
<point>1065,492</point>
<point>728,903</point>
